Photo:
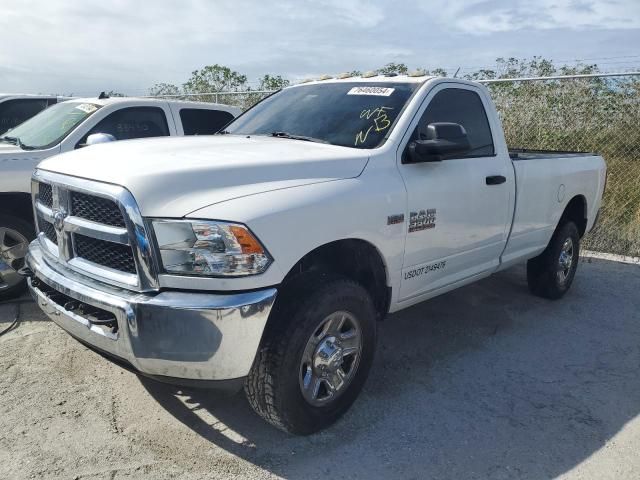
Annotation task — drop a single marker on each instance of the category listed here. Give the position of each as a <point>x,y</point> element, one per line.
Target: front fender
<point>292,222</point>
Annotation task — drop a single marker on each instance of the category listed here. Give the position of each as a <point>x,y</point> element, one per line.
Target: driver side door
<point>458,218</point>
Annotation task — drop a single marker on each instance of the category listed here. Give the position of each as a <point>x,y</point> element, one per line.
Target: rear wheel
<point>551,274</point>
<point>316,354</point>
<point>15,235</point>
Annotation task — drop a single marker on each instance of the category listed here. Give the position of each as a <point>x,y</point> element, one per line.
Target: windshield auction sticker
<point>377,91</point>
<point>87,107</point>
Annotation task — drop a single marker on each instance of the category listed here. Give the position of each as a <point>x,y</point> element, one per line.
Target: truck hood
<point>8,148</point>
<point>13,152</point>
<point>10,151</point>
<point>172,177</point>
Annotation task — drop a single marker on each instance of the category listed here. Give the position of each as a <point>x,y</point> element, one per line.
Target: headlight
<point>199,247</point>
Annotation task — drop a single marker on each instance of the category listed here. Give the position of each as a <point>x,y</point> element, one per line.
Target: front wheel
<point>551,273</point>
<point>316,354</point>
<point>15,235</point>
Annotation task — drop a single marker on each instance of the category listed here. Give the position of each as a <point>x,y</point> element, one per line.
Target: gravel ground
<point>484,382</point>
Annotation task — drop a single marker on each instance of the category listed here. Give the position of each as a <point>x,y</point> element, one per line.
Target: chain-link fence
<point>591,113</point>
<point>242,99</point>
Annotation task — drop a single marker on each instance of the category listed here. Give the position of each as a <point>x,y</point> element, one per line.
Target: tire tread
<point>263,383</point>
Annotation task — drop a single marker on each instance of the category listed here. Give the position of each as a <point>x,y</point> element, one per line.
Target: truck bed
<point>543,188</point>
<point>527,154</point>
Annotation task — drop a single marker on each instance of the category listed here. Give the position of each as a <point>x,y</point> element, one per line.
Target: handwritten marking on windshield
<point>380,119</point>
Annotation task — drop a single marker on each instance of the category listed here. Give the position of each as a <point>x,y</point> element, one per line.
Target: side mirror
<point>443,139</point>
<point>96,138</point>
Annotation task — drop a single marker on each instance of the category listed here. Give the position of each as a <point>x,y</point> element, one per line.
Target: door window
<point>14,112</point>
<point>464,107</point>
<point>200,121</point>
<point>132,122</point>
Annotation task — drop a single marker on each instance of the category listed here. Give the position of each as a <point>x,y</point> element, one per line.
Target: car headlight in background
<point>207,248</point>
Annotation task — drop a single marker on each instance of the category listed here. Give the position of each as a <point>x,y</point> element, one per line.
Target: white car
<point>71,125</point>
<point>16,108</point>
<point>264,257</point>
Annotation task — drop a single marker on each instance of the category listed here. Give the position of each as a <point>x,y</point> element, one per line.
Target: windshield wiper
<point>297,137</point>
<point>11,140</point>
<point>224,132</point>
<point>16,141</point>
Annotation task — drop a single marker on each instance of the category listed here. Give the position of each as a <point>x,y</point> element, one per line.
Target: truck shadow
<point>484,382</point>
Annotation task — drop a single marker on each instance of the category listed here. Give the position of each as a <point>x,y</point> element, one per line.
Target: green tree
<point>393,68</point>
<point>482,74</point>
<point>215,78</point>
<point>160,89</point>
<point>272,82</point>
<point>437,72</point>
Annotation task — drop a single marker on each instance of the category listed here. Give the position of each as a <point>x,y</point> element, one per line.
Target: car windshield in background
<point>357,115</point>
<point>50,126</point>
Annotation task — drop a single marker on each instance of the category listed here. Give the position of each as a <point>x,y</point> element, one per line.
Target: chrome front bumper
<point>178,335</point>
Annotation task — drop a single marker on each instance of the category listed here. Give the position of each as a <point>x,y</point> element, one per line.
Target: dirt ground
<point>484,382</point>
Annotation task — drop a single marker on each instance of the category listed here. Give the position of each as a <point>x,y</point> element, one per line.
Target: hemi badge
<point>395,219</point>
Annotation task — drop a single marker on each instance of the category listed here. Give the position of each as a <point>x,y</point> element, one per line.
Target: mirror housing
<point>443,139</point>
<point>96,138</point>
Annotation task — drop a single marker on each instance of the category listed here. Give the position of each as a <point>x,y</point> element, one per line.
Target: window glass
<point>14,112</point>
<point>200,121</point>
<point>350,114</point>
<point>50,126</point>
<point>464,107</point>
<point>132,122</point>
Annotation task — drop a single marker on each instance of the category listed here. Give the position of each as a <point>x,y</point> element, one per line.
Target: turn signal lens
<point>248,242</point>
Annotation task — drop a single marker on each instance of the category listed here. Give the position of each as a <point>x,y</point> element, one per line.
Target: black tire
<point>273,386</point>
<point>544,275</point>
<point>26,230</point>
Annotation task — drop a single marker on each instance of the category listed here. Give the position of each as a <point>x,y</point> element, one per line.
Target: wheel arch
<point>576,211</point>
<point>353,258</point>
<point>17,204</point>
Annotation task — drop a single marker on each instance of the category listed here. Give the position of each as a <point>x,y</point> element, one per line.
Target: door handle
<point>495,179</point>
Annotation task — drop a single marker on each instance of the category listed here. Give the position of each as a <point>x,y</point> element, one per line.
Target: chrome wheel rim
<point>330,358</point>
<point>13,248</point>
<point>565,260</point>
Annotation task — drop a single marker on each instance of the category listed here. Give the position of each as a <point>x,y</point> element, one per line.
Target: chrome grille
<point>96,209</point>
<point>95,229</point>
<point>48,230</point>
<point>46,194</point>
<point>107,254</point>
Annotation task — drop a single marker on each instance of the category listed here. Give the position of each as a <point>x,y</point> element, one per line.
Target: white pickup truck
<point>71,125</point>
<point>265,256</point>
<point>16,108</point>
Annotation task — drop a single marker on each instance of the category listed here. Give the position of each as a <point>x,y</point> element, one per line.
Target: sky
<point>85,46</point>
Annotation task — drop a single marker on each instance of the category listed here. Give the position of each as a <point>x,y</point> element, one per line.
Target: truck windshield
<point>50,126</point>
<point>357,115</point>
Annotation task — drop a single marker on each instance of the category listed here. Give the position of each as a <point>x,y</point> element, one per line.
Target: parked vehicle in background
<point>72,125</point>
<point>16,108</point>
<point>265,256</point>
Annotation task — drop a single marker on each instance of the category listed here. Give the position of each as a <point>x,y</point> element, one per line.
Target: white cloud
<point>84,47</point>
<point>488,16</point>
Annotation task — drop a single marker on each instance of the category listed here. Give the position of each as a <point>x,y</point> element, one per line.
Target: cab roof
<point>369,79</point>
<point>151,101</point>
<point>28,96</point>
